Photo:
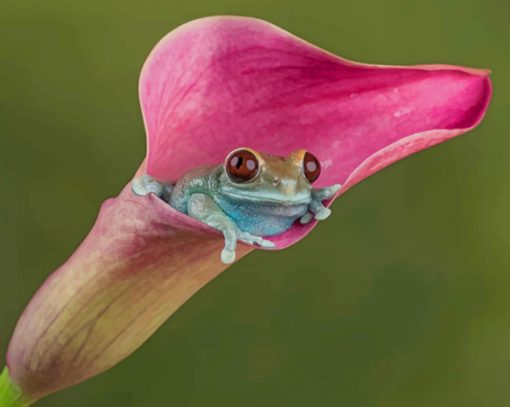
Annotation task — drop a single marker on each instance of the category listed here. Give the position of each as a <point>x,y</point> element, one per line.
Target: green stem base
<point>10,394</point>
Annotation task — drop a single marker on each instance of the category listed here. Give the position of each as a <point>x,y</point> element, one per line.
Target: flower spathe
<point>223,82</point>
<point>208,87</point>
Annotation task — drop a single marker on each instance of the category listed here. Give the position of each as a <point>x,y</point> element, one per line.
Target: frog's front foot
<point>252,239</point>
<point>232,235</point>
<point>316,208</point>
<point>145,185</point>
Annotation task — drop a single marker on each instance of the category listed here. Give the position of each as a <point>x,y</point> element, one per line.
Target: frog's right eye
<point>311,167</point>
<point>242,166</point>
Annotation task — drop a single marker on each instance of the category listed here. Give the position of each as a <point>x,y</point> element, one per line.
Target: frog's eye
<point>242,166</point>
<point>311,167</point>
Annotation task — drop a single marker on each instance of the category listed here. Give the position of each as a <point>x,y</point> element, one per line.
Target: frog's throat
<point>299,199</point>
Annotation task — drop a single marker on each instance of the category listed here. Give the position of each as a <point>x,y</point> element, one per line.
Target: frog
<point>249,197</point>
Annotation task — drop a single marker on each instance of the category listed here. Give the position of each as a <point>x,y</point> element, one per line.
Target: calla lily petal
<point>208,87</point>
<point>225,82</point>
<point>138,264</point>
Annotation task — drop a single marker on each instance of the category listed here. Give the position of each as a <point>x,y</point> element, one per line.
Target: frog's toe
<point>145,185</point>
<point>252,239</point>
<point>306,218</point>
<point>322,213</point>
<point>247,238</point>
<point>333,189</point>
<point>266,243</point>
<point>327,192</point>
<point>319,211</point>
<point>228,256</point>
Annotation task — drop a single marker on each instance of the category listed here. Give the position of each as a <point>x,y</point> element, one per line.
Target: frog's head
<point>253,176</point>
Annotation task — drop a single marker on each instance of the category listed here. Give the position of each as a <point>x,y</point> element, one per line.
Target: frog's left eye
<point>311,167</point>
<point>242,166</point>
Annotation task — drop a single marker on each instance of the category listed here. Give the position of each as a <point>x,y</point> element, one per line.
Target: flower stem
<point>10,394</point>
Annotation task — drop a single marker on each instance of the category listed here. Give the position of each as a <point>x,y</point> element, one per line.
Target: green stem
<point>10,394</point>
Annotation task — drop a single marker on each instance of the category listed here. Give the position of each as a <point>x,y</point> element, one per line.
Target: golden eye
<point>242,166</point>
<point>311,167</point>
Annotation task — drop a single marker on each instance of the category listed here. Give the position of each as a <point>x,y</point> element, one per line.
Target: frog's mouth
<point>300,199</point>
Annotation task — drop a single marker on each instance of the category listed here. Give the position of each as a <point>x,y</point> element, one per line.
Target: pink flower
<point>208,87</point>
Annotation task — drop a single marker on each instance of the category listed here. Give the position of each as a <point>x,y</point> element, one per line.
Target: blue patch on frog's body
<point>261,218</point>
<point>259,215</point>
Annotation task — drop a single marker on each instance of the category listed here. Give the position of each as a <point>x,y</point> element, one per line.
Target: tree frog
<point>250,196</point>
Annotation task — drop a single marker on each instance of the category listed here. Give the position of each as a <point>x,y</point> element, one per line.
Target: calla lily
<point>210,86</point>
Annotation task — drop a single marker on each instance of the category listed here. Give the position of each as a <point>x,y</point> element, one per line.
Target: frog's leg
<point>145,185</point>
<point>317,209</point>
<point>203,208</point>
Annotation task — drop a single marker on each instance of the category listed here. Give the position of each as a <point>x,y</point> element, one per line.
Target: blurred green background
<point>402,298</point>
